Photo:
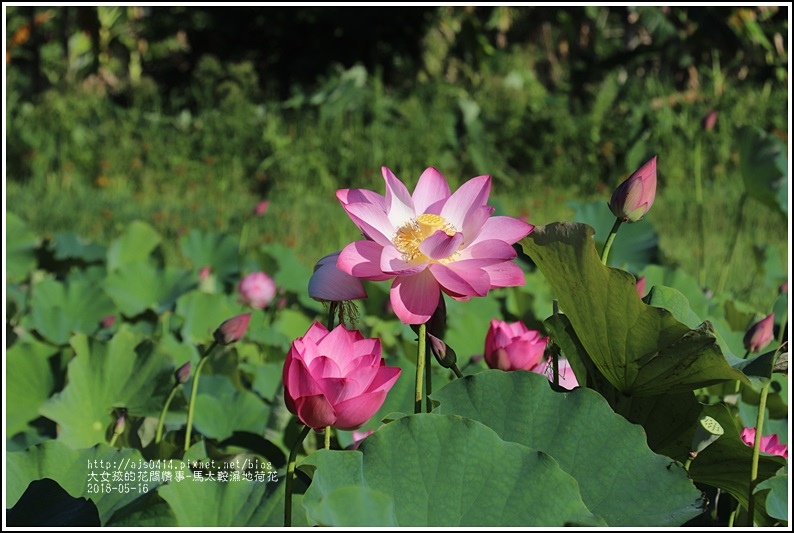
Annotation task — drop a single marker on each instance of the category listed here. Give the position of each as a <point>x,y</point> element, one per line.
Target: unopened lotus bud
<point>233,329</point>
<point>760,334</point>
<point>443,353</point>
<point>634,197</point>
<point>182,373</point>
<point>121,423</point>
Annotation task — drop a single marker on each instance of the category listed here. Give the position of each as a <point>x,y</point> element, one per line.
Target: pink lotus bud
<point>257,290</point>
<point>261,208</point>
<point>709,121</point>
<point>769,443</point>
<point>204,273</point>
<point>512,346</point>
<point>121,423</point>
<point>182,373</point>
<point>108,321</point>
<point>760,334</point>
<point>443,353</point>
<point>330,284</point>
<point>233,329</point>
<point>783,289</point>
<point>634,197</point>
<point>641,286</point>
<point>336,378</point>
<point>567,379</point>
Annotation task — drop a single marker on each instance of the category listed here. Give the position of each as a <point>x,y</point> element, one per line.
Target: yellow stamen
<point>410,236</point>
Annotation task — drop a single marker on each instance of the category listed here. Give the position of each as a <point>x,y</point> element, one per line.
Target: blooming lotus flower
<point>769,443</point>
<point>431,241</point>
<point>336,378</point>
<point>257,289</point>
<point>634,197</point>
<point>513,346</point>
<point>760,334</point>
<point>330,284</point>
<point>566,380</point>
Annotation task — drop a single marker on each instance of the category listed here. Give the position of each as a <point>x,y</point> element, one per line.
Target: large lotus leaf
<point>635,247</point>
<point>763,164</point>
<point>149,511</point>
<point>203,313</point>
<point>666,418</point>
<point>124,372</point>
<point>107,476</point>
<point>69,245</point>
<point>374,507</point>
<point>777,500</point>
<point>640,349</point>
<point>221,409</point>
<point>219,251</point>
<point>59,309</point>
<point>232,503</point>
<point>726,463</point>
<point>21,246</point>
<point>446,471</point>
<point>136,287</point>
<point>133,246</point>
<point>531,302</point>
<point>621,480</point>
<point>30,384</point>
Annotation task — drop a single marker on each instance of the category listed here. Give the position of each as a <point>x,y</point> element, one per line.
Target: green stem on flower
<point>456,370</point>
<point>113,439</point>
<point>420,367</point>
<point>759,426</point>
<point>191,407</point>
<point>732,517</point>
<point>726,264</point>
<point>699,202</point>
<point>331,313</point>
<point>290,475</point>
<point>610,238</point>
<point>327,437</point>
<point>158,436</point>
<point>428,384</point>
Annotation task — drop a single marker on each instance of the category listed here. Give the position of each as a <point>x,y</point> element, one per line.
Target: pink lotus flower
<point>513,346</point>
<point>760,334</point>
<point>709,120</point>
<point>257,289</point>
<point>358,438</point>
<point>330,284</point>
<point>336,378</point>
<point>567,379</point>
<point>769,443</point>
<point>431,241</point>
<point>634,197</point>
<point>261,208</point>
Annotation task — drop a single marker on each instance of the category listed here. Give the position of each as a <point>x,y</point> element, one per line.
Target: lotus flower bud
<point>232,330</point>
<point>443,353</point>
<point>513,346</point>
<point>641,286</point>
<point>634,197</point>
<point>760,334</point>
<point>182,373</point>
<point>336,378</point>
<point>709,121</point>
<point>121,423</point>
<point>261,208</point>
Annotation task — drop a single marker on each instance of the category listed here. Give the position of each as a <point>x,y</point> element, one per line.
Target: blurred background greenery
<point>187,117</point>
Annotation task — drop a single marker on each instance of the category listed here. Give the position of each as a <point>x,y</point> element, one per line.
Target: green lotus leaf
<point>125,372</point>
<point>621,480</point>
<point>444,471</point>
<point>640,349</point>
